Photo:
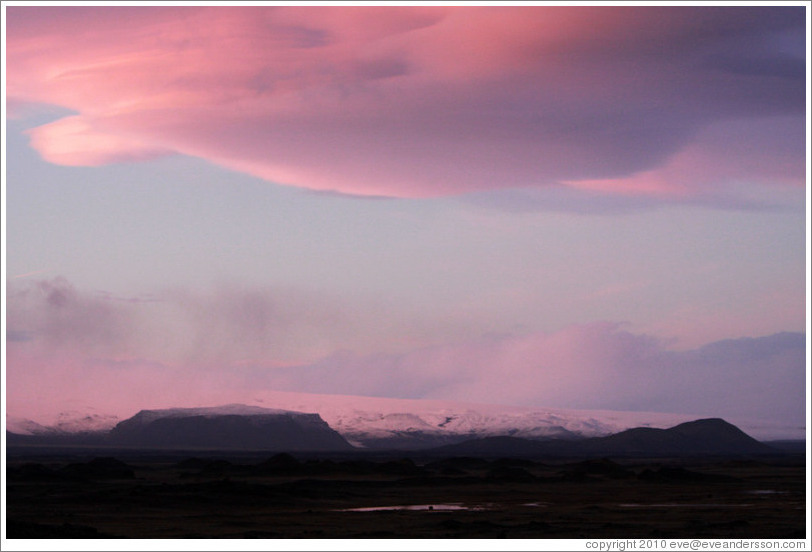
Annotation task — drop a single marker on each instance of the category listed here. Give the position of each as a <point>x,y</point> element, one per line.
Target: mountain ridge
<point>245,427</point>
<point>707,436</point>
<point>386,423</point>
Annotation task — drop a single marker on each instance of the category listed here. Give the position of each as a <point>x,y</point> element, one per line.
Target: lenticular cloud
<point>418,101</point>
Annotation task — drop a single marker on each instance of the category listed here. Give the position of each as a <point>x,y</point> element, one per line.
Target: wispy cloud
<point>595,366</point>
<point>29,274</point>
<point>221,325</point>
<point>231,342</point>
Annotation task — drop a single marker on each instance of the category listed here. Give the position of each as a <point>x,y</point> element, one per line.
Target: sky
<point>555,206</point>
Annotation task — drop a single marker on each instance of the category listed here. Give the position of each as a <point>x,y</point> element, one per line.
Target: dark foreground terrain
<point>128,495</point>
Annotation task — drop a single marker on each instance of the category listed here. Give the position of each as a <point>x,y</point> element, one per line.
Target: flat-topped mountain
<point>232,427</point>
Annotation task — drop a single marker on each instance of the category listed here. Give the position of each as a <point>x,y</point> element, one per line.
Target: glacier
<point>379,421</point>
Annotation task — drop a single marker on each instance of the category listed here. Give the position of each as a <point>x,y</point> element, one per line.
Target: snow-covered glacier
<point>377,422</point>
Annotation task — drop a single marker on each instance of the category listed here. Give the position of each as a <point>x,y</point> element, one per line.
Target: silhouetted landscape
<point>165,478</point>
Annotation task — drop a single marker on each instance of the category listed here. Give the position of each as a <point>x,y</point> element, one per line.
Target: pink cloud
<point>219,326</point>
<point>760,150</point>
<point>60,318</point>
<point>412,102</point>
<point>43,385</point>
<point>592,366</point>
<point>74,141</point>
<point>569,366</point>
<point>186,348</point>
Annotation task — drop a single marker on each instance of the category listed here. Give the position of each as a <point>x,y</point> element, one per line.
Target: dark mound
<point>509,473</point>
<point>712,436</point>
<point>100,468</point>
<point>280,464</point>
<point>196,468</point>
<point>681,475</point>
<point>192,464</point>
<point>599,466</point>
<point>463,463</point>
<point>33,472</point>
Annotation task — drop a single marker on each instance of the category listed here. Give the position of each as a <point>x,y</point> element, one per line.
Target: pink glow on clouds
<point>411,102</point>
<point>596,366</point>
<point>121,356</point>
<point>73,141</point>
<point>49,384</point>
<point>709,159</point>
<point>226,325</point>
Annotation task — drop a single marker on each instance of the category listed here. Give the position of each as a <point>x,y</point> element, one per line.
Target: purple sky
<point>584,207</point>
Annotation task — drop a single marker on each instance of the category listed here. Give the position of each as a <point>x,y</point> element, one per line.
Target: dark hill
<point>701,437</point>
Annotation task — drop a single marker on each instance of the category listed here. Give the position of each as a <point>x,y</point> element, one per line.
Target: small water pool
<point>450,507</point>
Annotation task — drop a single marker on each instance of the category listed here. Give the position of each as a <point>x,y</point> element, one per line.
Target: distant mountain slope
<point>386,423</point>
<point>711,436</point>
<point>707,436</point>
<point>229,427</point>
<point>794,445</point>
<point>67,423</point>
<point>83,439</point>
<point>380,422</point>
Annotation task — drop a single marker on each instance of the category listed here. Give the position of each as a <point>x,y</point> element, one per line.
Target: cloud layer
<point>228,344</point>
<point>658,102</point>
<point>594,366</point>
